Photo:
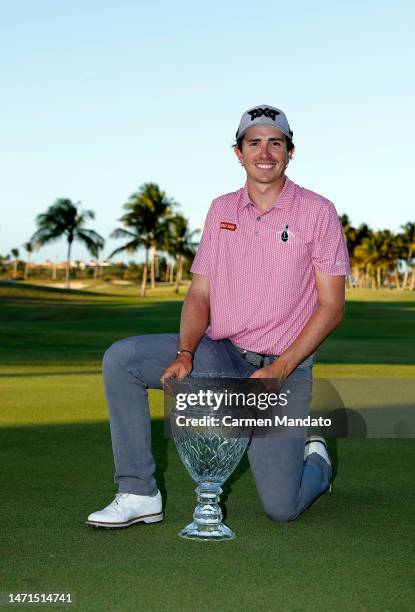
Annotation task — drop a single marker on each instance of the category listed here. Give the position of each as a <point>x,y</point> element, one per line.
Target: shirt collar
<point>284,200</point>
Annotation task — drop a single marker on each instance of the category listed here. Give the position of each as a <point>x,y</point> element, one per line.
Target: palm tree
<point>138,222</point>
<point>15,253</point>
<point>387,255</point>
<point>408,241</point>
<point>170,271</point>
<point>354,237</point>
<point>350,237</point>
<point>366,256</point>
<point>162,207</point>
<point>147,219</point>
<point>348,229</point>
<point>180,244</point>
<point>29,248</point>
<point>376,256</point>
<point>63,218</point>
<point>97,269</point>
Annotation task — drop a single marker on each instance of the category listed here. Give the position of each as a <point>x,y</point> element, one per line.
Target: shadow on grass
<point>84,372</point>
<point>52,455</point>
<point>40,320</point>
<point>56,475</point>
<point>38,335</point>
<point>49,456</point>
<point>73,464</point>
<point>78,457</point>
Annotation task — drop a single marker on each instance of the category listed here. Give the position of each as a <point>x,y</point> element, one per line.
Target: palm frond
<point>130,247</point>
<point>64,218</point>
<point>119,232</point>
<point>91,239</point>
<point>45,235</point>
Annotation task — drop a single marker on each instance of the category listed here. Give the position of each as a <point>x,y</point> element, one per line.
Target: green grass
<point>51,326</point>
<point>350,551</point>
<point>48,326</point>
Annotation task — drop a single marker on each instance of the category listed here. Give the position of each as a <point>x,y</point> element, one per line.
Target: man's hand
<point>274,370</point>
<point>179,369</point>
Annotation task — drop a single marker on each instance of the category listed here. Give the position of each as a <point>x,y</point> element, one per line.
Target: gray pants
<point>286,484</point>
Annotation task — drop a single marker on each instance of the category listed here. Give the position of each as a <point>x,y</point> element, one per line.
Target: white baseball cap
<point>264,115</point>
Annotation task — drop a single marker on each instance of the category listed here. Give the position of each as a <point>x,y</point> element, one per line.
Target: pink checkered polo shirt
<point>261,265</point>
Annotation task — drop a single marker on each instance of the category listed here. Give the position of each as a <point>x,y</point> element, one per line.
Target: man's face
<point>264,153</point>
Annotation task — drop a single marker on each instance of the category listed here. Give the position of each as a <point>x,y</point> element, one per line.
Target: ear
<point>238,153</point>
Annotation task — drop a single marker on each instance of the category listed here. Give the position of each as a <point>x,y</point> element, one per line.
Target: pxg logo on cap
<point>267,112</point>
<point>264,115</point>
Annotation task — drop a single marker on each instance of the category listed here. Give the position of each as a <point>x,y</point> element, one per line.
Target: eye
<point>253,144</point>
<point>276,143</point>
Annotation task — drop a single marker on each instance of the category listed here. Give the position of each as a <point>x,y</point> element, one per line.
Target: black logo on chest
<point>284,236</point>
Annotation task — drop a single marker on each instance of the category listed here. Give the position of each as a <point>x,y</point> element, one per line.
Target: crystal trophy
<point>210,447</point>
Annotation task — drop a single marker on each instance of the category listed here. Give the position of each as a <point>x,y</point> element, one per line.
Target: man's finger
<point>182,373</point>
<point>255,374</point>
<point>169,373</point>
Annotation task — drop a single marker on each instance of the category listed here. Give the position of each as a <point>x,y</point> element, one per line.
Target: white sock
<point>319,448</point>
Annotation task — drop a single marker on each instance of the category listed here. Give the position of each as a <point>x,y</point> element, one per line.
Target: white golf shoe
<point>127,509</point>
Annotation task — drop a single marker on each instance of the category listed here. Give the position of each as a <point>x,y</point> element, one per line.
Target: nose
<point>266,150</point>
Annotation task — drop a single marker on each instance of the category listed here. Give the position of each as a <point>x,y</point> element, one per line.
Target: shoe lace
<point>116,501</point>
<point>119,496</point>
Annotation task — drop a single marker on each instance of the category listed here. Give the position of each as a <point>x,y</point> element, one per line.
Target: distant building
<point>61,265</point>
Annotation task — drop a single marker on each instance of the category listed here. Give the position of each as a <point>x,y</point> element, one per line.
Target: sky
<point>101,97</point>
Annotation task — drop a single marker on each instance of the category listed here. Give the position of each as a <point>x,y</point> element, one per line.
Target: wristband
<point>185,351</point>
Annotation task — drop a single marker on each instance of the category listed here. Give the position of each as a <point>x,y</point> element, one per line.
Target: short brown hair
<point>289,142</point>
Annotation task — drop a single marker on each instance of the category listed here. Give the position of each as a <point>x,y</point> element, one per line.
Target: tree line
<point>378,258</point>
<point>150,221</point>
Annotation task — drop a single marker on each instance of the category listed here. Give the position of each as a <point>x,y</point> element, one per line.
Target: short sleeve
<point>201,262</point>
<point>329,250</point>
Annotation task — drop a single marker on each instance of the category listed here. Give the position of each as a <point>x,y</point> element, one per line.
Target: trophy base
<point>215,532</point>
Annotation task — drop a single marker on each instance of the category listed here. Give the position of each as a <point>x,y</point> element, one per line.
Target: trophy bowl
<point>210,442</point>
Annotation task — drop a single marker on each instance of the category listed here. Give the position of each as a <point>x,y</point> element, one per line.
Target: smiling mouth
<point>265,166</point>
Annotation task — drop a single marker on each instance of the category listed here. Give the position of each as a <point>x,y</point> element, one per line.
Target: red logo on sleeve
<point>228,226</point>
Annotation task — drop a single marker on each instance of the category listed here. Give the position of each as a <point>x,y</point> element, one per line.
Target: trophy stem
<point>207,517</point>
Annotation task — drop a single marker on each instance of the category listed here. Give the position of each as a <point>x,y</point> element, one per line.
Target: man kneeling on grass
<point>269,275</point>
